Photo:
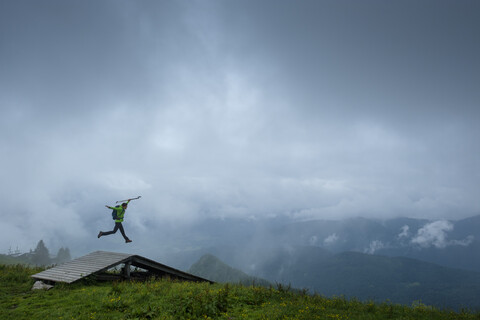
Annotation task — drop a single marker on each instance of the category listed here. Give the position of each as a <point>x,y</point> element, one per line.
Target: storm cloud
<point>312,109</point>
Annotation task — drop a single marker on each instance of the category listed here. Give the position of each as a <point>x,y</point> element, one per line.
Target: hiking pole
<point>129,199</point>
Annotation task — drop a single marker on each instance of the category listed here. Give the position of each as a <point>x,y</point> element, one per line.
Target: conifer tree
<point>41,256</point>
<point>63,255</point>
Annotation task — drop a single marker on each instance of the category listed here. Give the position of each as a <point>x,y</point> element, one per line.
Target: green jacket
<point>120,212</point>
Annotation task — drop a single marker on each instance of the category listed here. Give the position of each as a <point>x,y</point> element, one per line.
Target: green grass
<point>167,299</point>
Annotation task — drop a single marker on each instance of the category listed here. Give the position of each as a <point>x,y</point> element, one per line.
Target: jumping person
<point>120,212</point>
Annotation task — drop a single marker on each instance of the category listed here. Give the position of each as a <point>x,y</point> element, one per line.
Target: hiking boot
<point>100,234</point>
<point>127,241</point>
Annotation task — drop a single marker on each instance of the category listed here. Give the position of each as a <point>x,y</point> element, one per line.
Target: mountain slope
<point>212,268</point>
<point>379,278</point>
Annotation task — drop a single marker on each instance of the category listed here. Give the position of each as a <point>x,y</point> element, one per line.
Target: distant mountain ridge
<point>372,277</point>
<point>360,276</point>
<point>454,244</point>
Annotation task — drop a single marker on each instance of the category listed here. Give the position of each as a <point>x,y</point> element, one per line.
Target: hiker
<point>118,217</point>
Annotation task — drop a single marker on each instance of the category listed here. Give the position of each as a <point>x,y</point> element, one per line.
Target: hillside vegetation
<point>167,299</point>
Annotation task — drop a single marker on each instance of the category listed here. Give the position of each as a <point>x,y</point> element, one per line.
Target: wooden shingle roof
<point>100,261</point>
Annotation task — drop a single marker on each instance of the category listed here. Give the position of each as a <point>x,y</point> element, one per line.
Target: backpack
<point>114,213</point>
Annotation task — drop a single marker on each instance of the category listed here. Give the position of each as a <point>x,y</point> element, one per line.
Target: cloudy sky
<point>311,109</point>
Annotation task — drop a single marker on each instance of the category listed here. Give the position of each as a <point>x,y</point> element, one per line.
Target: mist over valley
<point>402,260</point>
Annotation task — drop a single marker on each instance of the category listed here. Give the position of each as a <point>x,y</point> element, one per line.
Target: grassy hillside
<point>165,299</point>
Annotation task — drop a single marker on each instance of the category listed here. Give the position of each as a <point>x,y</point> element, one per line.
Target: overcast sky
<point>314,109</point>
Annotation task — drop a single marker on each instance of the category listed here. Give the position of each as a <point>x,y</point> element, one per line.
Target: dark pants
<point>118,225</point>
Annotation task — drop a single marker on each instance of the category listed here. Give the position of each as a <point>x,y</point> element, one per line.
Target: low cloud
<point>331,239</point>
<point>405,232</point>
<point>435,234</point>
<point>465,242</point>
<point>374,246</point>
